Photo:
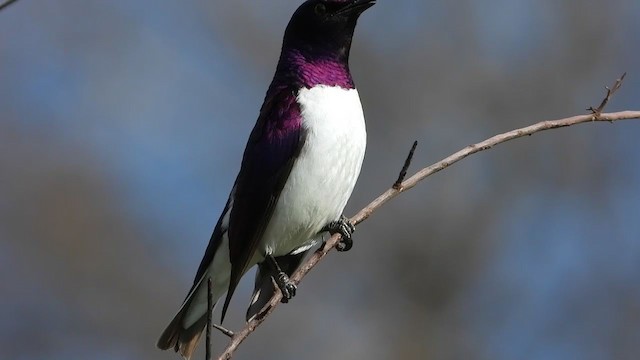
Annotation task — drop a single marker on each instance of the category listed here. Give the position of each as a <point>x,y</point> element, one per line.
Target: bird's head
<point>325,26</point>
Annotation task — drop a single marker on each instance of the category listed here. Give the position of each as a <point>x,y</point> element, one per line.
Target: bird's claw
<point>286,286</point>
<point>345,228</point>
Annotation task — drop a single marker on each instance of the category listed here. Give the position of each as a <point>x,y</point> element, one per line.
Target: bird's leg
<point>286,286</point>
<point>345,228</point>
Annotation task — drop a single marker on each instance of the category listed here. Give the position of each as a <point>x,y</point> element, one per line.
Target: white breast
<point>323,177</point>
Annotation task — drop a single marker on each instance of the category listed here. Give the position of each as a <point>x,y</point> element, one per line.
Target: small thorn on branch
<point>224,330</point>
<point>610,91</point>
<point>403,173</point>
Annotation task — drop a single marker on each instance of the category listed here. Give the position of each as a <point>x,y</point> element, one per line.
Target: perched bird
<point>299,168</point>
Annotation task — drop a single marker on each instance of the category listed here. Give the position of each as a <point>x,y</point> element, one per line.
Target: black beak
<point>356,7</point>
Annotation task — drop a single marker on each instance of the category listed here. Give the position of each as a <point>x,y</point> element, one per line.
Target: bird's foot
<point>345,228</point>
<point>287,287</point>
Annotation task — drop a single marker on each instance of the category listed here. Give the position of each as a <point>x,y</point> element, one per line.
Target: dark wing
<point>274,145</point>
<point>214,244</point>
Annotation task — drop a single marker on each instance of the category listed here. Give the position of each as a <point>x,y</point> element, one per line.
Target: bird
<point>298,170</point>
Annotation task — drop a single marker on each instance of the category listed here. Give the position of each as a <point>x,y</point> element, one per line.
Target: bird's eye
<point>320,9</point>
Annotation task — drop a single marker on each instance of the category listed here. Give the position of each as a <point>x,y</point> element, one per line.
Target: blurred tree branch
<point>6,3</point>
<point>403,185</point>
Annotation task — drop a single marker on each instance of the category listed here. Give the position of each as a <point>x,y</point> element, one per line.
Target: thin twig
<point>224,330</point>
<point>403,173</point>
<point>6,3</point>
<point>209,316</point>
<point>610,91</point>
<point>409,183</point>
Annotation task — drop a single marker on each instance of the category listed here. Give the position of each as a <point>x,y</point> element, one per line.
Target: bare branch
<point>403,185</point>
<point>363,214</point>
<point>6,3</point>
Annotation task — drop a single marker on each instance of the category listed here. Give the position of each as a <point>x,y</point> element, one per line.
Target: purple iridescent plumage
<point>297,70</point>
<point>310,69</point>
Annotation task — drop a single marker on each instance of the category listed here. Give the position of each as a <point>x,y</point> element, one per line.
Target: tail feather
<point>184,331</point>
<point>183,341</point>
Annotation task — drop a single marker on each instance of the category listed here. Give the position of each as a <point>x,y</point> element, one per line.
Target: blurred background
<point>122,125</point>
